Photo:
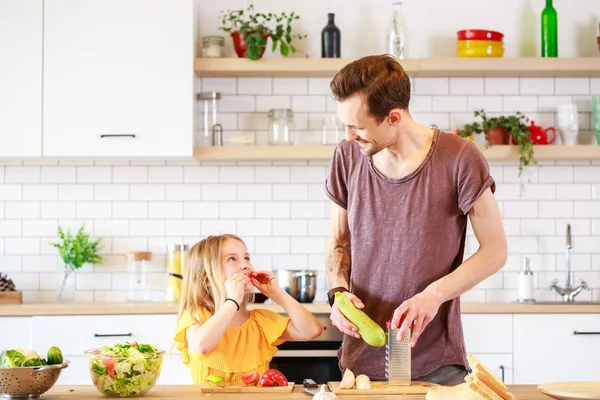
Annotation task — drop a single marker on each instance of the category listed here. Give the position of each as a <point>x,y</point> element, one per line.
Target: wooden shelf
<point>545,153</point>
<point>324,153</point>
<point>431,67</point>
<point>264,153</point>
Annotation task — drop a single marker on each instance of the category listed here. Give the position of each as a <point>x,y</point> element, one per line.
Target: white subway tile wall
<point>280,209</point>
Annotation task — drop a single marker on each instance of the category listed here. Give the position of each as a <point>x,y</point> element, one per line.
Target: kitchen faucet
<point>568,293</point>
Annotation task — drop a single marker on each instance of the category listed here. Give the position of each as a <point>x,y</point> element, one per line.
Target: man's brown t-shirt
<point>405,234</point>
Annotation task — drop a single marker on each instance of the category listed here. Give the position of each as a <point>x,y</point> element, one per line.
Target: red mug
<point>540,135</point>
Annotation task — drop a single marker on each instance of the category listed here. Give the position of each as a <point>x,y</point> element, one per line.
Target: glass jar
<point>213,47</point>
<point>281,126</point>
<point>137,268</point>
<point>333,130</point>
<point>175,261</point>
<point>210,121</point>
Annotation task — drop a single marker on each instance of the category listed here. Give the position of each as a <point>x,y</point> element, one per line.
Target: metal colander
<point>28,382</point>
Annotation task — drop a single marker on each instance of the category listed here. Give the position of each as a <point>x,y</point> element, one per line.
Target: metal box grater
<point>397,359</point>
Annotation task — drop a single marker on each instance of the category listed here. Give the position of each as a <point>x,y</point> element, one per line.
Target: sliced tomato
<point>109,363</point>
<point>251,378</point>
<point>134,344</point>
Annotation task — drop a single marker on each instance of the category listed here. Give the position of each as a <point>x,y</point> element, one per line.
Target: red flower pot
<point>497,136</point>
<point>240,45</point>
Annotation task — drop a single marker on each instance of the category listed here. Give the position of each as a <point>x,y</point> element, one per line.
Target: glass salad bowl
<point>125,370</point>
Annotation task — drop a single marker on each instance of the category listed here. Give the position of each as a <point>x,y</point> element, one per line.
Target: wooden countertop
<point>315,308</point>
<point>160,392</point>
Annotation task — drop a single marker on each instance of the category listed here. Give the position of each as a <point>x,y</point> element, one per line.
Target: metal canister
<point>175,261</point>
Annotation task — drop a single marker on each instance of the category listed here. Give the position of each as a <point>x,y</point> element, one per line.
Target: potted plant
<point>75,252</point>
<point>499,130</point>
<point>251,30</point>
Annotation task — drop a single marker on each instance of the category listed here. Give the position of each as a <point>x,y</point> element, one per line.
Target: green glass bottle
<point>549,31</point>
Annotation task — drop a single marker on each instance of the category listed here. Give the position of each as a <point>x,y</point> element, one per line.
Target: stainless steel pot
<point>299,283</point>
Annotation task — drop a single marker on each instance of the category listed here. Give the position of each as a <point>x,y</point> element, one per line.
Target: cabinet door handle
<point>586,333</point>
<point>112,334</point>
<point>502,369</point>
<point>118,136</point>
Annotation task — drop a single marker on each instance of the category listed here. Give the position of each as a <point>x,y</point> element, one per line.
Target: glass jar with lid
<point>281,126</point>
<point>137,268</point>
<point>209,126</point>
<point>213,47</point>
<point>175,261</point>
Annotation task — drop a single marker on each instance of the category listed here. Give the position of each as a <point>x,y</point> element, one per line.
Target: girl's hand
<point>234,286</point>
<point>265,282</point>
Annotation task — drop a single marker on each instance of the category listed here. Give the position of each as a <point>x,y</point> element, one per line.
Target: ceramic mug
<point>568,123</point>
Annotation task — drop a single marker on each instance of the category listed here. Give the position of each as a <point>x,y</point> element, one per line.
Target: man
<point>401,194</point>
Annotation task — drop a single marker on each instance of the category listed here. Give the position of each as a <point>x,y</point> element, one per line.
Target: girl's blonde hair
<point>203,277</point>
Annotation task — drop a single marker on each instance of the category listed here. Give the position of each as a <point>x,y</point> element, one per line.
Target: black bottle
<point>330,39</point>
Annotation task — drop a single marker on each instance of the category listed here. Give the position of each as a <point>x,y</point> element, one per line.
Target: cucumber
<point>54,355</point>
<point>371,333</point>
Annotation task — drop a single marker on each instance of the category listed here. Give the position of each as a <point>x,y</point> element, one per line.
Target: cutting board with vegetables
<point>571,390</point>
<point>382,388</point>
<point>237,388</point>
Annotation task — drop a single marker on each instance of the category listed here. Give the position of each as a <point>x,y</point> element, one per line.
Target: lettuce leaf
<point>11,359</point>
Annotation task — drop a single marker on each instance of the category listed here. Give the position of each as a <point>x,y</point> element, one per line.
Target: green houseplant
<point>500,130</point>
<point>250,31</point>
<point>75,251</point>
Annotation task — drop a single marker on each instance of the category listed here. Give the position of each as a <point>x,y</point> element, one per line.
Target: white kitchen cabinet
<point>556,347</point>
<point>75,334</point>
<point>15,332</point>
<point>118,78</point>
<point>174,372</point>
<point>488,333</point>
<point>500,364</point>
<point>489,337</point>
<point>21,78</point>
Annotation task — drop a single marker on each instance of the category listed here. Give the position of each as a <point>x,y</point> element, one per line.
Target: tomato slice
<point>109,363</point>
<point>251,378</point>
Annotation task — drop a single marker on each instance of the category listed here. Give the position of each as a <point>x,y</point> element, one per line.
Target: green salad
<point>125,370</point>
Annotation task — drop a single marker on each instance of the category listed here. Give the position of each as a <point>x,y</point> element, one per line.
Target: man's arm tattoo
<point>339,261</point>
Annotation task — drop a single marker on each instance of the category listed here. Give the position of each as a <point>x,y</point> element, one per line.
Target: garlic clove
<point>347,380</point>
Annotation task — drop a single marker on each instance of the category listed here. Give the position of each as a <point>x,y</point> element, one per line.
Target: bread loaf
<point>481,384</point>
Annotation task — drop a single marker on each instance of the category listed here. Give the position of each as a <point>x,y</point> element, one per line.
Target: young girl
<point>216,333</point>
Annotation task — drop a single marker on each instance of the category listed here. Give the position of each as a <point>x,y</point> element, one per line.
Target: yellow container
<point>461,44</point>
<point>480,52</point>
<point>479,48</point>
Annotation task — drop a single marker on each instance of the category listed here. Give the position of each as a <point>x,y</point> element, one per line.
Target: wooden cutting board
<point>382,388</point>
<point>233,388</point>
<point>571,390</point>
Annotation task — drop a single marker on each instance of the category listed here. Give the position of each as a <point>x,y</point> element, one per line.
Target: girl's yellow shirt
<point>243,349</point>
